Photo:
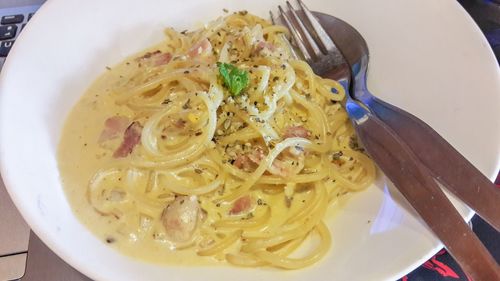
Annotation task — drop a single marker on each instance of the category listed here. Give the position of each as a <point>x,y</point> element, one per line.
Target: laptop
<point>14,233</point>
<point>22,255</point>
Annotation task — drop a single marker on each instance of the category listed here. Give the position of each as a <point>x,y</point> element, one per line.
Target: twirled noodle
<point>185,165</point>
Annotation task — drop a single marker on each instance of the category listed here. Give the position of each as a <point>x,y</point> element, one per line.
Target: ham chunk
<point>243,204</point>
<point>203,47</point>
<point>250,160</point>
<point>243,162</point>
<point>131,138</point>
<point>162,59</point>
<point>180,218</point>
<point>263,45</point>
<point>113,128</point>
<point>297,131</point>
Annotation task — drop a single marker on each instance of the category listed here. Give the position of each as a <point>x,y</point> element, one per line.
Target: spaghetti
<point>219,143</point>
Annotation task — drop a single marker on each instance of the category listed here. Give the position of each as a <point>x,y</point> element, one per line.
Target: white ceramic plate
<point>427,57</point>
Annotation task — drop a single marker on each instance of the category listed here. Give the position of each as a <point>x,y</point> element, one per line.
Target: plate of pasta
<point>184,139</point>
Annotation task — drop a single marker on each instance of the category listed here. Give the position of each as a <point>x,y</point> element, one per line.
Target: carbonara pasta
<point>217,143</point>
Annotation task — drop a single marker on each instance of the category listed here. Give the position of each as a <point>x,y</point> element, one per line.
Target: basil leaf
<point>234,79</point>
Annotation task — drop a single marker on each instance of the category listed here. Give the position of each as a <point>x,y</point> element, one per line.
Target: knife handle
<point>443,161</point>
<point>402,167</point>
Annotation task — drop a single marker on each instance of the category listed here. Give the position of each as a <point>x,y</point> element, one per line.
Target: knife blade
<point>417,185</point>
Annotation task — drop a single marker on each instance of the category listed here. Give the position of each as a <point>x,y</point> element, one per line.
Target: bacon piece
<point>257,155</point>
<point>162,59</point>
<point>113,127</point>
<point>261,45</point>
<point>241,205</point>
<point>203,47</point>
<point>297,131</point>
<point>278,168</point>
<point>243,162</point>
<point>131,138</point>
<point>180,218</point>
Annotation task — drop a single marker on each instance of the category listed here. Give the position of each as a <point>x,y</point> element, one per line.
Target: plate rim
<point>38,228</point>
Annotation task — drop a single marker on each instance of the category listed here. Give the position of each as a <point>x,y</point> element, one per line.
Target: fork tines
<point>309,36</point>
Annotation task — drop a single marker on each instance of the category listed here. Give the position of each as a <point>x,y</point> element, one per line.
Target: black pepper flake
<point>198,171</point>
<point>275,78</point>
<point>354,144</point>
<point>108,68</point>
<point>222,190</point>
<point>283,66</point>
<point>186,72</point>
<point>184,32</point>
<point>187,105</point>
<point>182,201</point>
<point>243,13</point>
<point>110,240</point>
<point>259,202</point>
<point>217,205</point>
<point>198,133</point>
<point>337,155</point>
<point>333,101</point>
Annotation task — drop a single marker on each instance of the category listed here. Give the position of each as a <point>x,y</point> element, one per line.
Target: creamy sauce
<point>81,156</point>
<point>259,147</point>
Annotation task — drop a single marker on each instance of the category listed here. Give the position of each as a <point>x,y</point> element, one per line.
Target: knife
<point>400,164</point>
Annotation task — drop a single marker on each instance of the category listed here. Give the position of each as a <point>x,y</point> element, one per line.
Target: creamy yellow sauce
<point>81,156</point>
<point>223,117</point>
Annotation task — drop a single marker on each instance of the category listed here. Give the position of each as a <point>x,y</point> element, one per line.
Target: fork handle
<point>443,161</point>
<point>417,185</point>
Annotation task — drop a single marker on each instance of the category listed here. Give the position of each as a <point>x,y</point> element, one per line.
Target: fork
<point>392,154</point>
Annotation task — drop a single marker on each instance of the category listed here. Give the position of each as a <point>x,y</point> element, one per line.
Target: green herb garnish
<point>234,79</point>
